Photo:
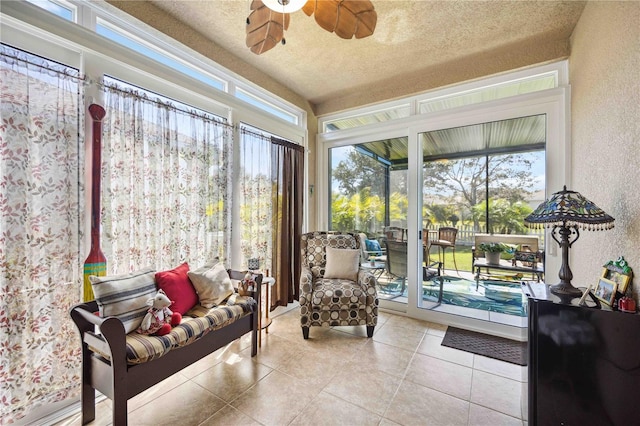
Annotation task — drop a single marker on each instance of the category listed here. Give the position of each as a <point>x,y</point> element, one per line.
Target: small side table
<point>264,325</point>
<point>376,269</point>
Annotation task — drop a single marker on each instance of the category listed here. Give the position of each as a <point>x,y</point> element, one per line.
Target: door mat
<point>484,344</point>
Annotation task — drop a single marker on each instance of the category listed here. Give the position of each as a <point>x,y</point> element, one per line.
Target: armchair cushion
<point>342,264</point>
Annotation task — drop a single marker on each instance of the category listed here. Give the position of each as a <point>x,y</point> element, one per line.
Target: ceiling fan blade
<point>347,18</point>
<point>265,27</point>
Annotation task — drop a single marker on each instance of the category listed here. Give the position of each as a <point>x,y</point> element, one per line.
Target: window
<point>60,8</point>
<point>41,197</point>
<point>166,195</point>
<point>115,34</point>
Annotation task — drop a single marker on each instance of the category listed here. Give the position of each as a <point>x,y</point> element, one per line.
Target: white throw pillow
<point>212,284</point>
<point>125,296</point>
<point>342,263</point>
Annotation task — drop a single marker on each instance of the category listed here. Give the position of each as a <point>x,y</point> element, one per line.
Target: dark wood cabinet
<point>584,364</point>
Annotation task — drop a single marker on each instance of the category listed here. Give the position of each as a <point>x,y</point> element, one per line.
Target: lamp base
<point>564,289</point>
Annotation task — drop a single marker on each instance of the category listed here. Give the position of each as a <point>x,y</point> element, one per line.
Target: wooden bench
<point>105,366</point>
<point>527,259</point>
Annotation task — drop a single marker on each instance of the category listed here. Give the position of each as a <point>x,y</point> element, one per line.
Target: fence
<point>466,234</point>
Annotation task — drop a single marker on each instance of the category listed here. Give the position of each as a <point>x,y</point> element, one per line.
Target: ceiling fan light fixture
<point>284,6</point>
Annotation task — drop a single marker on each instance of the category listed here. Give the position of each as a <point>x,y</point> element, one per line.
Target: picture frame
<point>605,291</point>
<point>619,272</point>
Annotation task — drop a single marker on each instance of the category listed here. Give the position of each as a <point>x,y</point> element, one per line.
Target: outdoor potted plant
<point>492,252</point>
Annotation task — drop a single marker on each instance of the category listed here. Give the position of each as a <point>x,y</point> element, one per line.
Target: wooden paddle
<point>96,263</point>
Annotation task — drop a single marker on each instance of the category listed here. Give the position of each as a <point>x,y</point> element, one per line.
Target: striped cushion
<point>195,324</point>
<point>125,296</point>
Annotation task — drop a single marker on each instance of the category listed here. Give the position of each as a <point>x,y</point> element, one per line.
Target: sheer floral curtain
<point>166,194</point>
<point>254,198</point>
<point>41,193</point>
<point>270,199</point>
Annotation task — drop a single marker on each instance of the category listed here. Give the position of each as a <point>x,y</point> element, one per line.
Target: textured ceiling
<point>417,45</point>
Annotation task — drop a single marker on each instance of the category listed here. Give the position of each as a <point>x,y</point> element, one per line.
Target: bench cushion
<point>196,323</point>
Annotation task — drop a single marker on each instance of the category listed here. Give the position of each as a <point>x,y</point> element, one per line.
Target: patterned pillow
<point>212,283</point>
<point>125,296</point>
<point>342,263</point>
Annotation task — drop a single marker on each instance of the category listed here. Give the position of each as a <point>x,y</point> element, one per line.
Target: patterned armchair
<point>334,301</point>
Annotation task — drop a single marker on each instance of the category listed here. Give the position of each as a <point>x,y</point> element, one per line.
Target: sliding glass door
<point>368,193</point>
<point>477,179</point>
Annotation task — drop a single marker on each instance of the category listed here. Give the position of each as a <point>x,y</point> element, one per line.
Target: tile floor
<point>401,376</point>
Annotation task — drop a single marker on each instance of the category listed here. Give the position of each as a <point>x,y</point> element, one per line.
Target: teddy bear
<point>159,318</point>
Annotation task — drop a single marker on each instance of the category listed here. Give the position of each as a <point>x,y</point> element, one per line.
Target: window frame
<point>555,103</point>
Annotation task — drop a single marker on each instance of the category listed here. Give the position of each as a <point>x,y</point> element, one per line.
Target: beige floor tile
<point>482,416</point>
<point>334,343</point>
<point>400,337</point>
<point>367,388</point>
<point>500,368</point>
<point>229,379</point>
<point>229,416</point>
<point>318,368</point>
<point>436,329</point>
<point>218,356</point>
<point>383,317</point>
<point>355,330</point>
<point>498,393</point>
<point>441,375</point>
<point>386,358</point>
<point>276,399</point>
<point>524,401</point>
<point>188,404</point>
<point>151,394</point>
<point>401,376</point>
<point>276,351</point>
<point>328,410</point>
<point>418,405</point>
<point>104,416</point>
<point>431,345</point>
<point>287,325</point>
<point>406,322</point>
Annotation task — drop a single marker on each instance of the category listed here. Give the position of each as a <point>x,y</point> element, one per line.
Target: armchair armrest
<point>306,285</point>
<point>366,279</point>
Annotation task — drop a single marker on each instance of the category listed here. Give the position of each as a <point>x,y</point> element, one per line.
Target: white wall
<point>604,71</point>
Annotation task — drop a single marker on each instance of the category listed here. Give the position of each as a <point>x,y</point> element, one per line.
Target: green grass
<point>463,257</point>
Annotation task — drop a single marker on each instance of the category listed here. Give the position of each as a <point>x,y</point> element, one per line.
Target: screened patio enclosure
<point>481,178</point>
<point>502,159</point>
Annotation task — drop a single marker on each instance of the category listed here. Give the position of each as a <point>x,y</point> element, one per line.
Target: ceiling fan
<point>270,18</point>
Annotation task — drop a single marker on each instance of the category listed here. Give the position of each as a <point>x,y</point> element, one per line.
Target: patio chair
<point>395,233</point>
<point>397,264</point>
<point>378,255</point>
<point>446,239</point>
<point>334,289</point>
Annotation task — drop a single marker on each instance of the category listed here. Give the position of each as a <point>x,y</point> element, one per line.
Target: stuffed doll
<point>159,317</point>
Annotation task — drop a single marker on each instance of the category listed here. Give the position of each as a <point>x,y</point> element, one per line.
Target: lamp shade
<point>284,6</point>
<point>569,208</point>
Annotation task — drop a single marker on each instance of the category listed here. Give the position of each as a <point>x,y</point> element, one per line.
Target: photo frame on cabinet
<point>605,291</point>
<point>619,272</point>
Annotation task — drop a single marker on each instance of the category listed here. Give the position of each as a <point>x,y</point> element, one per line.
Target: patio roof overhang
<point>506,136</point>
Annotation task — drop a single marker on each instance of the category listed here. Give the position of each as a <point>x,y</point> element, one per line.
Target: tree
<point>463,181</point>
<point>359,171</point>
<point>505,217</point>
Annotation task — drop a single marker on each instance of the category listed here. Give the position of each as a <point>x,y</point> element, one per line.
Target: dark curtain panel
<point>288,176</point>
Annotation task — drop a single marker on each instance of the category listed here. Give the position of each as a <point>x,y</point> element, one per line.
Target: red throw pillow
<point>175,283</point>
